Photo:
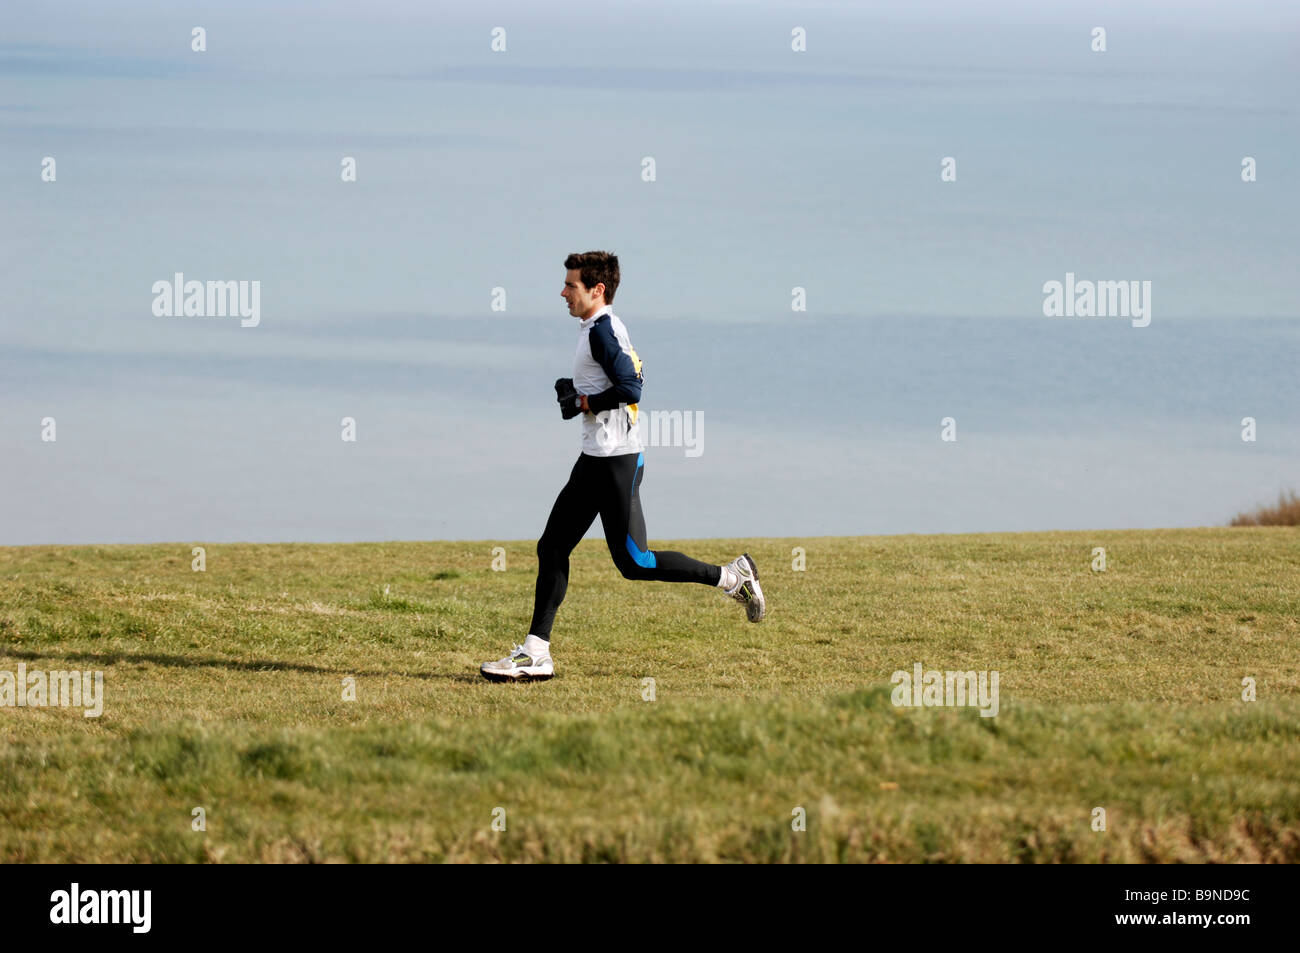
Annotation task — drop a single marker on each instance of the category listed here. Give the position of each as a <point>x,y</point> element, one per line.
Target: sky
<point>774,169</point>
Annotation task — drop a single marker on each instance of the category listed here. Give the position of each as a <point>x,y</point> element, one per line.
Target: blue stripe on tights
<point>644,558</point>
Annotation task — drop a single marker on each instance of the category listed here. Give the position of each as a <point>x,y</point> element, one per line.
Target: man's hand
<point>571,402</point>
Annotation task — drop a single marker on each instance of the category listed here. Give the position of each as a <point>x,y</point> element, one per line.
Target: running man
<point>605,390</point>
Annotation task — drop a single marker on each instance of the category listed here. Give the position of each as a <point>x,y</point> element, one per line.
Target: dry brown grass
<point>1285,512</point>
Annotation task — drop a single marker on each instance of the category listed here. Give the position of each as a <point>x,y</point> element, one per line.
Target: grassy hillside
<point>224,690</point>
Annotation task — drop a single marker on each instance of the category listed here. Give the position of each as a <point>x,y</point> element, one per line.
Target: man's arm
<point>618,367</point>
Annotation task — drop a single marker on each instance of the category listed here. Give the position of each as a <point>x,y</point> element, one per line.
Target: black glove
<point>569,398</point>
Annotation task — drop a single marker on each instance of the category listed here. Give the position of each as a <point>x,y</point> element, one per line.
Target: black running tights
<point>610,487</point>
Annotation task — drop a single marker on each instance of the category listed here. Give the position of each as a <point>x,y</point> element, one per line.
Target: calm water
<point>813,426</point>
<point>775,170</point>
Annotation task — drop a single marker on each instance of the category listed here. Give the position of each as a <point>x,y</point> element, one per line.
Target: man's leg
<point>574,511</point>
<point>624,525</point>
<point>571,516</point>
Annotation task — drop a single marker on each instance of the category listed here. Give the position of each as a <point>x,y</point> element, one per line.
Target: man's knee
<point>550,552</point>
<point>629,567</point>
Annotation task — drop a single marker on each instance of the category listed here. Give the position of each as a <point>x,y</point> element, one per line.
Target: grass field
<point>224,689</point>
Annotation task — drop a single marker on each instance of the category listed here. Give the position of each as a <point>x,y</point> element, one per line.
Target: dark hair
<point>596,267</point>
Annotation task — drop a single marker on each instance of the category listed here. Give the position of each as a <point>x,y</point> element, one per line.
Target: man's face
<point>583,302</point>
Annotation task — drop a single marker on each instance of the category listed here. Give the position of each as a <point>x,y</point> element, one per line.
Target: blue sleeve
<point>618,367</point>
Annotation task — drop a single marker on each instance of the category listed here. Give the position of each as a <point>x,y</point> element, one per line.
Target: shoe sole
<point>758,602</point>
<point>521,677</point>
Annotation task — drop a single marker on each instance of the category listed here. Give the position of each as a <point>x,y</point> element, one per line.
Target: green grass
<point>224,690</point>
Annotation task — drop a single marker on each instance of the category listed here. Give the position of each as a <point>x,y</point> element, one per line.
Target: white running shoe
<point>747,590</point>
<point>518,666</point>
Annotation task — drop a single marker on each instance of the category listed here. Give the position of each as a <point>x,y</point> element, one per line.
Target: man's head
<point>590,280</point>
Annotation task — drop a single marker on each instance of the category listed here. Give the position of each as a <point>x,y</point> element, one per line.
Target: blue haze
<point>775,170</point>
